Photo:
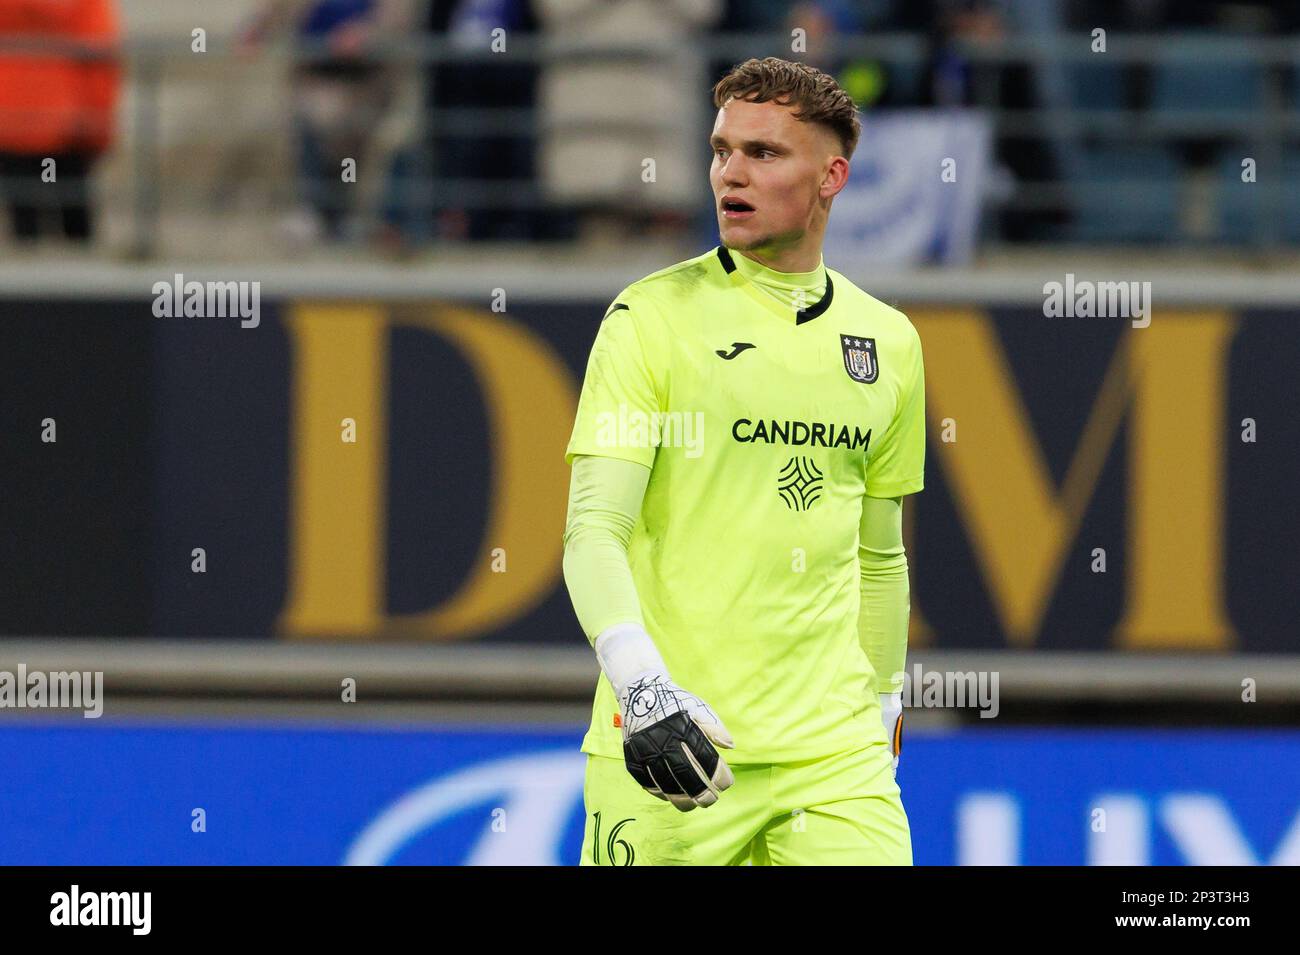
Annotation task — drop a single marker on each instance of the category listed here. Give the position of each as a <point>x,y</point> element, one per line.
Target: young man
<point>749,423</point>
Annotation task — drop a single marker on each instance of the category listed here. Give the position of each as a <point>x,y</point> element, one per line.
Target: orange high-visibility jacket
<point>52,100</point>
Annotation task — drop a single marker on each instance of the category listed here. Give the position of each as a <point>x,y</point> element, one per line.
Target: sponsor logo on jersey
<point>800,483</point>
<point>824,433</point>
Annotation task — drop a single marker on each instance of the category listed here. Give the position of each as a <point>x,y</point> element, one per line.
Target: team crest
<point>860,358</point>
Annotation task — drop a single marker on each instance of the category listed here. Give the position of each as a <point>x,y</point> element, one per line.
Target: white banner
<point>914,190</point>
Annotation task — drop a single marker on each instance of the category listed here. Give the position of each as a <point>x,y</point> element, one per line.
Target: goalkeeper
<point>748,426</point>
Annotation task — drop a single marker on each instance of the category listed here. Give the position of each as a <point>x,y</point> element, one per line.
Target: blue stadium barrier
<point>239,794</point>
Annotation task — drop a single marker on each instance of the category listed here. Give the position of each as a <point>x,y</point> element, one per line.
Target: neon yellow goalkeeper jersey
<point>764,428</point>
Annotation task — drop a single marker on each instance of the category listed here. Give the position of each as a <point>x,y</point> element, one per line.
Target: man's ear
<point>835,178</point>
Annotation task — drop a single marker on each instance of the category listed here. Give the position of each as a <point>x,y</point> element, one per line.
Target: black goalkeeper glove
<point>669,737</point>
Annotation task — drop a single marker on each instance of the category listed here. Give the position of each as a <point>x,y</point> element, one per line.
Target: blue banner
<point>207,794</point>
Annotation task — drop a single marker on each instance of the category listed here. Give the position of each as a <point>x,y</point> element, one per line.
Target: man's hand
<point>668,742</point>
<point>891,714</point>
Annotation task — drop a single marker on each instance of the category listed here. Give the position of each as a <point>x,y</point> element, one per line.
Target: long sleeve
<point>605,496</point>
<point>886,602</point>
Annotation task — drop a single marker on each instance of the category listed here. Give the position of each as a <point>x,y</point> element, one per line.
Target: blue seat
<point>1125,193</point>
<point>1242,205</point>
<point>1198,84</point>
<point>1096,85</point>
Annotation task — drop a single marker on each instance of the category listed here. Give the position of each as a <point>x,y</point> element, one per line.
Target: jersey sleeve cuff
<point>895,488</point>
<point>642,456</point>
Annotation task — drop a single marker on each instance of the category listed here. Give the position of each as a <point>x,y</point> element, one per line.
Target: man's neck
<point>789,260</point>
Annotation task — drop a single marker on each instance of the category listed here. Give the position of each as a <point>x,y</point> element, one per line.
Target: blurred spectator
<point>870,81</point>
<point>957,79</point>
<point>57,101</point>
<point>605,112</point>
<point>341,94</point>
<point>501,82</point>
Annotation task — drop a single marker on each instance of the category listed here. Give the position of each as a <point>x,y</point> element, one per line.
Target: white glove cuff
<point>891,708</point>
<point>626,653</point>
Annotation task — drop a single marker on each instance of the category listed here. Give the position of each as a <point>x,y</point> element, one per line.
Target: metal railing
<point>149,171</point>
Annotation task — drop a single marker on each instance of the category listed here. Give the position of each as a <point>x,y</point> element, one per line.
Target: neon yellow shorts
<point>839,810</point>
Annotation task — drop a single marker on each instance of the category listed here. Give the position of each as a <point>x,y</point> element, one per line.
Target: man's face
<point>767,159</point>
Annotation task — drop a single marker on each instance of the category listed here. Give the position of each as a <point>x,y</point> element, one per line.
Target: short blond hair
<point>815,95</point>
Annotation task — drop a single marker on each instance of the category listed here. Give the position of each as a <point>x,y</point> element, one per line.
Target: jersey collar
<point>801,316</point>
